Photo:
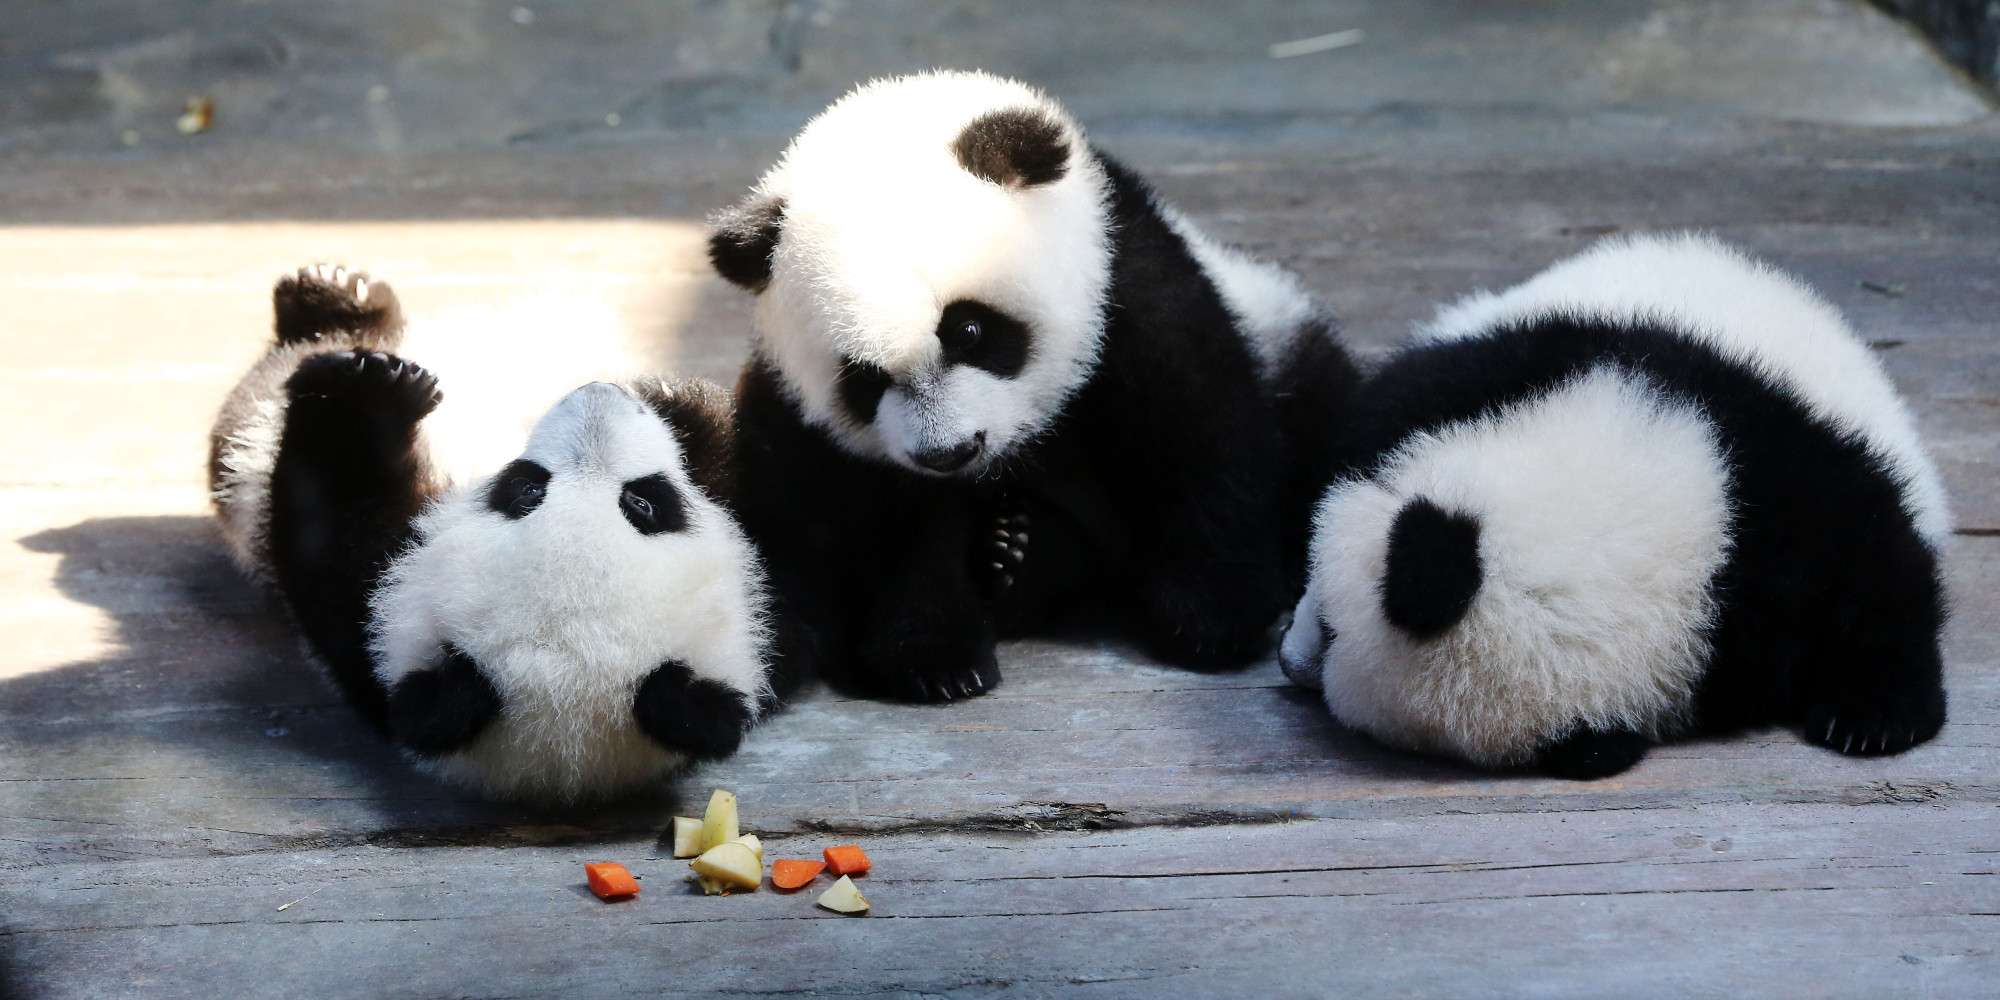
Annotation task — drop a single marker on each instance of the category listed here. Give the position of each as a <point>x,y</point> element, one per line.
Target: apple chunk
<point>844,897</point>
<point>687,837</point>
<point>718,825</point>
<point>731,865</point>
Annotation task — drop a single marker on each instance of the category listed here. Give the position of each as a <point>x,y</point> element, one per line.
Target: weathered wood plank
<point>1891,901</point>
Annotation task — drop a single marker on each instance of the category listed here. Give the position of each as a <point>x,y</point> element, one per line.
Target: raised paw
<point>695,715</point>
<point>999,554</point>
<point>369,381</point>
<point>331,298</point>
<point>1874,727</point>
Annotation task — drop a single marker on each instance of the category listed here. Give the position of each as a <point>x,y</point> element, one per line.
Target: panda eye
<point>518,490</point>
<point>968,332</point>
<point>652,505</point>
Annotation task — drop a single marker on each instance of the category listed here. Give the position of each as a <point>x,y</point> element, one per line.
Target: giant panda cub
<point>562,621</point>
<point>995,378</point>
<point>1660,487</point>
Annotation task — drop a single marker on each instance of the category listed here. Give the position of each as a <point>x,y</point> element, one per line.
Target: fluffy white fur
<point>1602,519</point>
<point>1750,312</point>
<point>567,609</point>
<point>883,229</point>
<point>1269,303</point>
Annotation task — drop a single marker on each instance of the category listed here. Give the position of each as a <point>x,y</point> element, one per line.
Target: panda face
<point>583,573</point>
<point>932,259</point>
<point>1497,580</point>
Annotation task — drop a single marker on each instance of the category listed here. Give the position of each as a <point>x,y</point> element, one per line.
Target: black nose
<point>953,458</point>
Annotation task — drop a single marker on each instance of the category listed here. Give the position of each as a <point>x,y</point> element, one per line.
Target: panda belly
<point>1601,517</point>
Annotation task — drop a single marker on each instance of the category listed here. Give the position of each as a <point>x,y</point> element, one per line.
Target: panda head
<point>1493,584</point>
<point>579,622</point>
<point>931,259</point>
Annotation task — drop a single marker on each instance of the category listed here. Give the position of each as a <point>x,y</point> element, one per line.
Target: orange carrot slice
<point>789,874</point>
<point>848,860</point>
<point>610,880</point>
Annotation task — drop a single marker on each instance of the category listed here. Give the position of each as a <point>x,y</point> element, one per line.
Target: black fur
<point>518,489</point>
<point>702,718</point>
<point>444,708</point>
<point>344,489</point>
<point>1159,497</point>
<point>1588,753</point>
<point>1013,146</point>
<point>309,307</point>
<point>702,418</point>
<point>742,239</point>
<point>860,385</point>
<point>652,505</point>
<point>976,334</point>
<point>1432,572</point>
<point>1831,603</point>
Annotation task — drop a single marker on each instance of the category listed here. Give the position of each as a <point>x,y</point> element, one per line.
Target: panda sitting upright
<point>995,379</point>
<point>1659,487</point>
<point>568,624</point>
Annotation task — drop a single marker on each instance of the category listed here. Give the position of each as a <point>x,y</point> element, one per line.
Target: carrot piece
<point>610,880</point>
<point>789,874</point>
<point>848,860</point>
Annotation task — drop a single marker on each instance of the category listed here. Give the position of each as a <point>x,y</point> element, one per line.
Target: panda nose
<point>950,459</point>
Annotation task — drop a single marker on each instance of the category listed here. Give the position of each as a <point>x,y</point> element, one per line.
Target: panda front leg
<point>930,636</point>
<point>344,489</point>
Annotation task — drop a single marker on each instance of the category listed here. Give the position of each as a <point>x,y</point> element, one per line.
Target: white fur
<point>1751,313</point>
<point>242,494</point>
<point>1603,517</point>
<point>1269,304</point>
<point>567,609</point>
<point>883,229</point>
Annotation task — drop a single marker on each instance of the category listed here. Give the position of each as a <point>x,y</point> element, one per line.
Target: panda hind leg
<point>1588,752</point>
<point>331,298</point>
<point>677,709</point>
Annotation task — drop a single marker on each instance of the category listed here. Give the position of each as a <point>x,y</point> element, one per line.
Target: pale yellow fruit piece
<point>718,826</point>
<point>750,841</point>
<point>711,887</point>
<point>734,865</point>
<point>844,897</point>
<point>687,837</point>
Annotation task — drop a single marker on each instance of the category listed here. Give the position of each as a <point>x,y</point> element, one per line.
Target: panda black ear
<point>1014,147</point>
<point>444,708</point>
<point>741,240</point>
<point>703,420</point>
<point>700,717</point>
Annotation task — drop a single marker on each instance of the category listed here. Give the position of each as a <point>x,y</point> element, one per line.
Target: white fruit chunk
<point>734,865</point>
<point>750,841</point>
<point>687,837</point>
<point>844,897</point>
<point>718,825</point>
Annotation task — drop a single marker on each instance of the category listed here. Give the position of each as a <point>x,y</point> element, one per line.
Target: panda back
<point>1747,311</point>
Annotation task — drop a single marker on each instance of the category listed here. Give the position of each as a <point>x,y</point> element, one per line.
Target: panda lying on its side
<point>570,626</point>
<point>1658,487</point>
<point>996,378</point>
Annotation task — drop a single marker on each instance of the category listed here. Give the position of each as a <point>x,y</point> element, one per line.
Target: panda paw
<point>931,669</point>
<point>1206,627</point>
<point>332,298</point>
<point>371,382</point>
<point>1877,726</point>
<point>1000,554</point>
<point>703,718</point>
<point>1588,753</point>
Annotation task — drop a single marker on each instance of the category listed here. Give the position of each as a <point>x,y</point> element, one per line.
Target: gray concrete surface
<point>186,811</point>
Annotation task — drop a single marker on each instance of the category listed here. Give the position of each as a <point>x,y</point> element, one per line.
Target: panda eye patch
<point>860,385</point>
<point>976,334</point>
<point>652,505</point>
<point>518,490</point>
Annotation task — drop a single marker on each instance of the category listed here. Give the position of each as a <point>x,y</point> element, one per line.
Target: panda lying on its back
<point>995,377</point>
<point>1657,487</point>
<point>571,626</point>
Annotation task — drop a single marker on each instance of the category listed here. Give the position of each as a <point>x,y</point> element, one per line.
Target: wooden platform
<point>186,811</point>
